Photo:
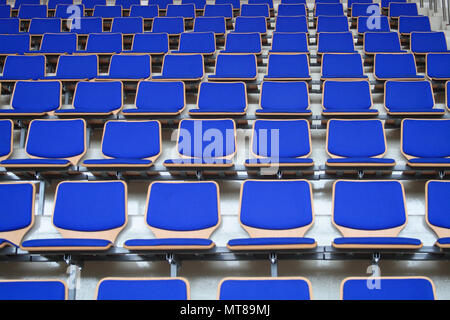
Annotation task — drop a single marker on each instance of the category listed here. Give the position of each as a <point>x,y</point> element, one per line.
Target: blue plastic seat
<point>268,2</point>
<point>341,42</point>
<point>58,43</point>
<point>328,9</point>
<point>5,11</point>
<point>243,43</point>
<point>158,97</point>
<point>250,24</point>
<point>162,4</point>
<point>437,208</point>
<point>221,98</point>
<point>66,11</point>
<point>387,288</point>
<point>18,3</point>
<point>284,98</point>
<point>373,24</point>
<point>291,10</point>
<point>128,25</point>
<point>95,98</point>
<point>287,42</point>
<point>210,24</point>
<point>127,4</point>
<point>181,10</point>
<point>52,143</point>
<point>104,43</point>
<point>196,152</point>
<point>365,9</point>
<point>192,230</point>
<point>169,25</point>
<point>385,3</point>
<point>370,215</point>
<point>402,9</point>
<point>425,42</point>
<point>406,24</point>
<point>129,144</point>
<point>34,98</point>
<point>288,67</point>
<point>285,143</point>
<point>6,138</point>
<point>9,25</point>
<point>23,68</point>
<point>425,143</point>
<point>197,42</point>
<point>199,4</point>
<point>30,11</point>
<point>382,42</point>
<point>276,215</point>
<point>438,66</point>
<point>342,66</point>
<point>410,98</point>
<point>235,3</point>
<point>33,289</point>
<point>357,143</point>
<point>89,215</point>
<point>83,67</point>
<point>143,289</point>
<point>129,67</point>
<point>255,10</point>
<point>219,10</point>
<point>40,26</point>
<point>332,24</point>
<point>86,25</point>
<point>400,66</point>
<point>107,11</point>
<point>14,44</point>
<point>145,12</point>
<point>291,24</point>
<point>150,43</point>
<point>188,67</point>
<point>265,289</point>
<point>235,67</point>
<point>17,204</point>
<point>90,4</point>
<point>53,3</point>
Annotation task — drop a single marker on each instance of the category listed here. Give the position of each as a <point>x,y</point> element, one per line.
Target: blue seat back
<point>158,95</point>
<point>385,3</point>
<point>369,205</point>
<point>207,139</point>
<point>269,2</point>
<point>77,67</point>
<point>382,42</point>
<point>130,66</point>
<point>219,10</point>
<point>170,25</point>
<point>346,95</point>
<point>18,3</point>
<point>291,10</point>
<point>6,138</point>
<point>437,65</point>
<point>409,24</point>
<point>390,65</point>
<point>14,44</point>
<point>222,95</point>
<point>291,24</point>
<point>424,42</point>
<point>162,4</point>
<point>329,9</point>
<point>143,289</point>
<point>9,25</point>
<point>53,3</point>
<point>284,95</point>
<point>373,24</point>
<point>236,66</point>
<point>131,139</point>
<point>197,201</point>
<point>183,66</point>
<point>5,11</point>
<point>356,138</point>
<point>127,4</point>
<point>276,205</point>
<point>150,43</point>
<point>342,65</point>
<point>101,96</point>
<point>90,206</point>
<point>33,290</point>
<point>250,24</point>
<point>104,42</point>
<point>332,24</point>
<point>426,138</point>
<point>90,4</point>
<point>145,12</point>
<point>86,25</point>
<point>243,43</point>
<point>128,25</point>
<point>107,11</point>
<point>36,96</point>
<point>288,66</point>
<point>264,289</point>
<point>365,9</point>
<point>210,24</point>
<point>66,11</point>
<point>437,207</point>
<point>58,43</point>
<point>181,10</point>
<point>199,4</point>
<point>46,25</point>
<point>17,205</point>
<point>197,42</point>
<point>285,42</point>
<point>408,95</point>
<point>24,67</point>
<point>281,138</point>
<point>255,10</point>
<point>235,3</point>
<point>56,139</point>
<point>402,9</point>
<point>30,11</point>
<point>388,288</point>
<point>340,42</point>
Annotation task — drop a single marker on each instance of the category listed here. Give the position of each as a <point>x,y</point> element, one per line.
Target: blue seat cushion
<point>187,242</point>
<point>375,161</point>
<point>32,290</point>
<point>162,109</point>
<point>430,160</point>
<point>377,241</point>
<point>36,162</point>
<point>117,162</point>
<point>350,110</point>
<point>443,240</point>
<point>275,110</point>
<point>65,242</point>
<point>388,289</point>
<point>280,161</point>
<point>270,241</point>
<point>198,161</point>
<point>267,289</point>
<point>142,289</point>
